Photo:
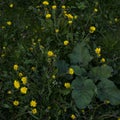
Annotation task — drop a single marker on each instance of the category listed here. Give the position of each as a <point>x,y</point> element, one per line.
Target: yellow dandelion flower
<point>56,30</point>
<point>16,84</point>
<point>3,27</point>
<point>23,90</point>
<point>54,7</point>
<point>67,85</point>
<point>9,92</point>
<point>69,16</point>
<point>71,71</point>
<point>66,42</point>
<point>118,118</point>
<point>20,74</point>
<point>33,103</point>
<point>50,54</point>
<point>15,67</point>
<point>24,80</point>
<point>95,10</point>
<point>102,60</point>
<point>11,5</point>
<point>16,103</point>
<point>53,76</point>
<point>9,23</point>
<point>92,29</point>
<point>34,111</point>
<point>73,117</point>
<point>98,51</point>
<point>33,68</point>
<point>70,22</point>
<point>45,3</point>
<point>48,16</point>
<point>63,7</point>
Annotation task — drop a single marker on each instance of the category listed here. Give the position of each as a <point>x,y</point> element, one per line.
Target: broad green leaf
<point>62,66</point>
<point>101,72</point>
<point>79,71</point>
<point>83,92</point>
<point>108,91</point>
<point>80,55</point>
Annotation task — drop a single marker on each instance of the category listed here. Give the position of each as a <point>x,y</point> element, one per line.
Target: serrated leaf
<point>80,55</point>
<point>108,91</point>
<point>101,72</point>
<point>83,92</point>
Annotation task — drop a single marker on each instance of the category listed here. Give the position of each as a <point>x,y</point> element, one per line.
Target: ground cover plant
<point>59,60</point>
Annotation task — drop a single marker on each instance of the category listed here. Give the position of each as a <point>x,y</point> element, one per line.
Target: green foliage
<point>107,90</point>
<point>65,77</point>
<point>83,91</point>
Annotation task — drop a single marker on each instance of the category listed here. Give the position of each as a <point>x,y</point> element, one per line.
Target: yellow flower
<point>53,76</point>
<point>95,10</point>
<point>98,50</point>
<point>20,74</point>
<point>103,60</point>
<point>9,23</point>
<point>107,101</point>
<point>75,17</point>
<point>16,84</point>
<point>63,7</point>
<point>34,111</point>
<point>67,85</point>
<point>69,16</point>
<point>48,16</point>
<point>33,68</point>
<point>54,7</point>
<point>56,30</point>
<point>3,27</point>
<point>70,22</point>
<point>73,117</point>
<point>71,71</point>
<point>116,19</point>
<point>23,90</point>
<point>9,92</point>
<point>118,118</point>
<point>66,42</point>
<point>92,29</point>
<point>16,103</point>
<point>15,67</point>
<point>33,103</point>
<point>24,80</point>
<point>45,3</point>
<point>50,54</point>
<point>11,5</point>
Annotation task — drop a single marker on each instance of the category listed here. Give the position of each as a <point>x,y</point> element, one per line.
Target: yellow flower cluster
<point>24,80</point>
<point>33,104</point>
<point>98,51</point>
